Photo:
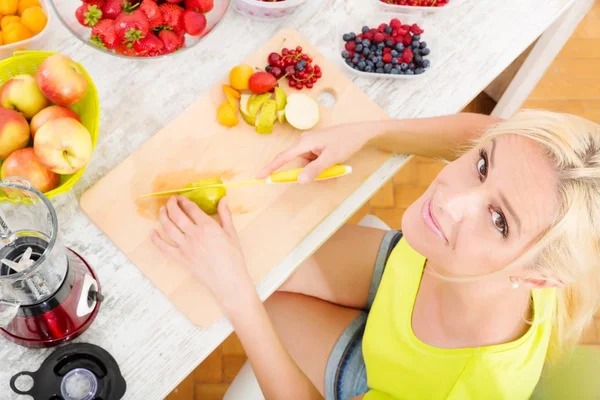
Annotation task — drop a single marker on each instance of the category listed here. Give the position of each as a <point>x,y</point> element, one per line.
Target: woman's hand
<point>210,250</point>
<point>320,150</point>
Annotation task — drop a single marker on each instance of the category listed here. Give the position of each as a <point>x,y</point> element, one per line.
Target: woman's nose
<point>459,204</point>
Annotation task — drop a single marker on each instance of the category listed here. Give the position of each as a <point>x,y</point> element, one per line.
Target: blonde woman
<point>495,271</point>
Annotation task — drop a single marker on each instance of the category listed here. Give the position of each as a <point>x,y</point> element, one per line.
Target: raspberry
<point>381,27</point>
<point>407,55</point>
<point>378,37</point>
<point>399,39</point>
<point>387,58</point>
<point>395,23</point>
<point>416,30</point>
<point>405,27</point>
<point>369,35</point>
<point>402,32</point>
<point>407,40</point>
<point>387,50</point>
<point>351,45</point>
<point>394,33</point>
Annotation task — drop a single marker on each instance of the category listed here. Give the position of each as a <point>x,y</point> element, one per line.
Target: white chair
<point>245,385</point>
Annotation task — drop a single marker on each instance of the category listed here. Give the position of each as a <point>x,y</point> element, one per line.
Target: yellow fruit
<point>9,7</point>
<point>1,41</point>
<point>232,95</point>
<point>34,18</point>
<point>25,4</point>
<point>9,19</point>
<point>226,115</point>
<point>15,33</point>
<point>239,76</point>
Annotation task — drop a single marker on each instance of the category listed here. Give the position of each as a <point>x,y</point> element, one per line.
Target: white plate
<point>34,43</point>
<point>355,24</point>
<point>415,9</point>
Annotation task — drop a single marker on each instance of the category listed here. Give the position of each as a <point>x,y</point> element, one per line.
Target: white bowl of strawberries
<point>140,28</point>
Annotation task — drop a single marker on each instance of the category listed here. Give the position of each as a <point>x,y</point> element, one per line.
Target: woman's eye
<point>499,222</point>
<point>482,167</point>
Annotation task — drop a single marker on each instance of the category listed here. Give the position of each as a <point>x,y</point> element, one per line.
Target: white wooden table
<point>155,346</point>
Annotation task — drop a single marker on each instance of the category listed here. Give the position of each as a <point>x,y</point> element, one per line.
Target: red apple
<point>14,132</point>
<point>63,145</point>
<point>23,163</point>
<point>48,114</point>
<point>22,94</point>
<point>61,80</point>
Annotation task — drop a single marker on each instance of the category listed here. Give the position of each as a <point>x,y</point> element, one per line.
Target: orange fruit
<point>1,42</point>
<point>34,18</point>
<point>239,76</point>
<point>226,115</point>
<point>9,7</point>
<point>25,4</point>
<point>15,33</point>
<point>9,19</point>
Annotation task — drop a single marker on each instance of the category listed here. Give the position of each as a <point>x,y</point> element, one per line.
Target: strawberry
<point>181,35</point>
<point>193,22</point>
<point>202,6</point>
<point>126,50</point>
<point>112,8</point>
<point>152,12</point>
<point>131,27</point>
<point>149,46</point>
<point>261,82</point>
<point>88,15</point>
<point>171,41</point>
<point>171,15</point>
<point>98,3</point>
<point>174,1</point>
<point>103,34</point>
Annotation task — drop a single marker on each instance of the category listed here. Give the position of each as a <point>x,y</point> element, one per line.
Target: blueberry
<point>418,60</point>
<point>389,43</point>
<point>380,45</point>
<point>394,61</point>
<point>371,63</point>
<point>394,71</point>
<point>369,68</point>
<point>403,66</point>
<point>425,51</point>
<point>362,65</point>
<point>402,72</point>
<point>345,54</point>
<point>359,47</point>
<point>366,51</point>
<point>349,62</point>
<point>426,64</point>
<point>373,47</point>
<point>355,60</point>
<point>416,37</point>
<point>387,68</point>
<point>365,29</point>
<point>380,64</point>
<point>411,66</point>
<point>394,53</point>
<point>379,70</point>
<point>415,44</point>
<point>300,66</point>
<point>358,40</point>
<point>379,52</point>
<point>346,37</point>
<point>366,42</point>
<point>409,72</point>
<point>399,46</point>
<point>419,71</point>
<point>352,35</point>
<point>388,30</point>
<point>416,52</point>
<point>423,45</point>
<point>268,67</point>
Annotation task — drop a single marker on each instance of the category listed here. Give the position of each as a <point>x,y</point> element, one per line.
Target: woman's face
<point>483,209</point>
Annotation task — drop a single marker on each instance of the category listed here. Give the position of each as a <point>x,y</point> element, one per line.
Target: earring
<point>515,285</point>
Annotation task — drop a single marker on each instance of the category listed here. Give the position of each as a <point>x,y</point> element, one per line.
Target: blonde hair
<point>569,249</point>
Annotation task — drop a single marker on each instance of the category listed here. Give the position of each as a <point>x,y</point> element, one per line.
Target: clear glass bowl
<point>266,11</point>
<point>65,10</point>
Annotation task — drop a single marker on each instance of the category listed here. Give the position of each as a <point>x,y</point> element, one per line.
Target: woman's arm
<point>213,253</point>
<point>436,137</point>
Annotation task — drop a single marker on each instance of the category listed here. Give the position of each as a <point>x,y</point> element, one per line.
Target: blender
<point>49,295</point>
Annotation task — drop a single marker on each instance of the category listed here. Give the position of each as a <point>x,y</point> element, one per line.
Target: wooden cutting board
<point>271,220</point>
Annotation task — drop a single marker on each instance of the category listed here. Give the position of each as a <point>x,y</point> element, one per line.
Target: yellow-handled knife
<point>288,176</point>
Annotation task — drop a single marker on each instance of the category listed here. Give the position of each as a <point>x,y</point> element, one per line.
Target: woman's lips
<point>430,220</point>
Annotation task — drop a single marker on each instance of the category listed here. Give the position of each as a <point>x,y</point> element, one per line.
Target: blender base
<point>55,335</point>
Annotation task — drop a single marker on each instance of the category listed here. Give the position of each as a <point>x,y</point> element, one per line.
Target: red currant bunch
<point>295,66</point>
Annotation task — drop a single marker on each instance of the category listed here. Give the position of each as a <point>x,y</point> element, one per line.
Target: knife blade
<point>288,176</point>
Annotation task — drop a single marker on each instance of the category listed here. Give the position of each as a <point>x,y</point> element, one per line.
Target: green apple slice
<point>302,112</point>
<point>267,117</point>
<point>250,120</point>
<point>281,100</point>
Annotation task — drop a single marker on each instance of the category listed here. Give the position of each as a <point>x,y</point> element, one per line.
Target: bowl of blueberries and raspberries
<point>394,49</point>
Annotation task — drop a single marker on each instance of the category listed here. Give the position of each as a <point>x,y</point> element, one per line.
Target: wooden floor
<point>571,84</point>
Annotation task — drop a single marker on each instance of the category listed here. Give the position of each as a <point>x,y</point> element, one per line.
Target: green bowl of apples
<point>51,122</point>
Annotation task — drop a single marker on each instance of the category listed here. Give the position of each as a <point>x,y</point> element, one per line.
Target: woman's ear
<point>539,282</point>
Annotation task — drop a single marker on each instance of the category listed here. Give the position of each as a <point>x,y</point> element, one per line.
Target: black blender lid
<point>78,371</point>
